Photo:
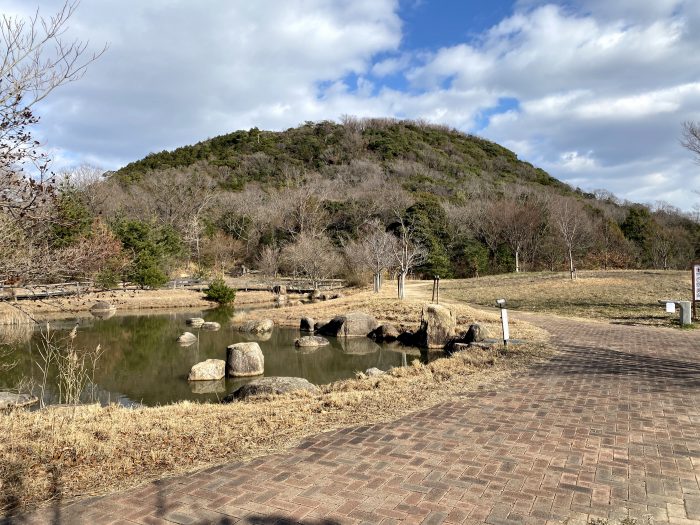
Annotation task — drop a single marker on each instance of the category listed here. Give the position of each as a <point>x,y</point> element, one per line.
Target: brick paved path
<point>609,427</point>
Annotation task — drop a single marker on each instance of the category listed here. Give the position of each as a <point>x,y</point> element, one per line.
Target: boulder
<point>279,289</point>
<point>244,360</point>
<point>103,310</point>
<point>211,325</point>
<point>437,327</point>
<point>306,324</point>
<point>310,341</point>
<point>314,295</point>
<point>13,400</point>
<point>386,332</point>
<point>280,299</point>
<point>195,322</point>
<point>374,372</point>
<point>355,324</point>
<point>408,338</point>
<point>271,385</point>
<point>209,370</point>
<point>319,324</point>
<point>262,326</point>
<point>475,334</point>
<point>187,338</point>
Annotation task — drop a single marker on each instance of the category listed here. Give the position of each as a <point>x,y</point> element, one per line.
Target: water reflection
<point>142,362</point>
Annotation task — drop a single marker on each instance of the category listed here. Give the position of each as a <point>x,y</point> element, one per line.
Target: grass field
<point>620,296</point>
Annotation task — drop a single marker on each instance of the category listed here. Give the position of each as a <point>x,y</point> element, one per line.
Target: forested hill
<point>353,199</point>
<point>425,157</point>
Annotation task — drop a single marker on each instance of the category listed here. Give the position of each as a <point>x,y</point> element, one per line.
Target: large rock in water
<point>209,370</point>
<point>386,332</point>
<point>306,324</point>
<point>244,360</point>
<point>310,341</point>
<point>437,327</point>
<point>187,338</point>
<point>13,400</point>
<point>195,322</point>
<point>271,385</point>
<point>213,326</point>
<point>355,324</point>
<point>257,327</point>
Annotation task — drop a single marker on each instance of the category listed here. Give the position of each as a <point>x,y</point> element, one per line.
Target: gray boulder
<point>319,324</point>
<point>262,326</point>
<point>386,332</point>
<point>102,307</point>
<point>13,400</point>
<point>306,324</point>
<point>271,385</point>
<point>195,322</point>
<point>374,372</point>
<point>211,326</point>
<point>310,341</point>
<point>279,289</point>
<point>187,338</point>
<point>355,324</point>
<point>475,334</point>
<point>281,299</point>
<point>437,327</point>
<point>244,360</point>
<point>209,370</point>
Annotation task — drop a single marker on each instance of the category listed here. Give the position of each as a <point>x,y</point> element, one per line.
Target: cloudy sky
<point>593,91</point>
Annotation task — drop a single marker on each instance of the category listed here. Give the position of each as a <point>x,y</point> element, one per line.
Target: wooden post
<point>437,289</point>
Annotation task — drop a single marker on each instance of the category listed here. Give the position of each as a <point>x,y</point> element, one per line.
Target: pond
<point>142,363</point>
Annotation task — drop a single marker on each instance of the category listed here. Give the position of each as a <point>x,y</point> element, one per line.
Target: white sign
<point>671,308</point>
<point>504,320</point>
<point>696,275</point>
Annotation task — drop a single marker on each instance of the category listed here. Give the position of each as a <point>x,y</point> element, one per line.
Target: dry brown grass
<point>621,296</point>
<point>66,453</point>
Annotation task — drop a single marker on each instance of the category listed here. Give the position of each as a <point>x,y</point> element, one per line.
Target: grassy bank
<point>620,296</point>
<point>63,453</point>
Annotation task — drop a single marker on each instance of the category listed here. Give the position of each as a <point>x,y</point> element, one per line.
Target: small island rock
<point>209,370</point>
<point>306,324</point>
<point>244,360</point>
<point>187,338</point>
<point>195,322</point>
<point>310,341</point>
<point>271,385</point>
<point>211,325</point>
<point>355,324</point>
<point>257,327</point>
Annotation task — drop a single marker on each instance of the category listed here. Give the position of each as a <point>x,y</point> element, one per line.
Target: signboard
<point>671,308</point>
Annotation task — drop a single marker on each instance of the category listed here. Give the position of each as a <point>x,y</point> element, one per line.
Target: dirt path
<point>609,428</point>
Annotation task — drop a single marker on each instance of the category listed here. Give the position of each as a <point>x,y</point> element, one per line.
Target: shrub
<point>220,292</point>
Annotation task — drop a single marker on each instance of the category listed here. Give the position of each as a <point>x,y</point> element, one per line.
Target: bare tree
<point>407,254</point>
<point>571,223</point>
<point>691,138</point>
<point>35,59</point>
<point>521,223</point>
<point>373,251</point>
<point>312,257</point>
<point>269,261</point>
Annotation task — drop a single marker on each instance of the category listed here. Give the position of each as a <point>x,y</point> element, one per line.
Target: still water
<point>142,363</point>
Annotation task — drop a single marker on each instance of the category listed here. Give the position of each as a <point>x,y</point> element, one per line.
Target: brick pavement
<point>608,428</point>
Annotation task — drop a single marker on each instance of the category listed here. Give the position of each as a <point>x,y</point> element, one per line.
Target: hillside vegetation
<point>350,199</point>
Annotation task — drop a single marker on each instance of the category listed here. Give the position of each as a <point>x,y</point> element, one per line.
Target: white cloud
<point>601,86</point>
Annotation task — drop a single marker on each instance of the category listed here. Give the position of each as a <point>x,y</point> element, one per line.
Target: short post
<point>437,290</point>
<point>504,320</point>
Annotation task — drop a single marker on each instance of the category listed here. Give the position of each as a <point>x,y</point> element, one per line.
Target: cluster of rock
<point>437,330</point>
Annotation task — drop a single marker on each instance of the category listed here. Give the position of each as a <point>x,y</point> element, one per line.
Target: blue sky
<point>593,91</point>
